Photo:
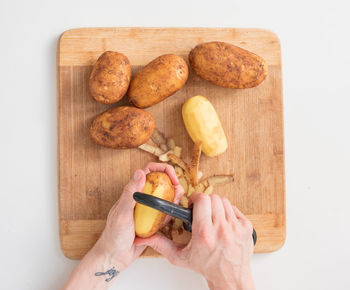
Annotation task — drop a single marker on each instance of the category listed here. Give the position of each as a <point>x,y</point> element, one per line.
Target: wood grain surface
<point>91,177</point>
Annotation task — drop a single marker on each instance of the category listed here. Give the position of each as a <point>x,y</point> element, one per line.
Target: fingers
<point>190,202</point>
<point>162,245</point>
<point>245,222</point>
<point>137,183</point>
<point>217,208</point>
<point>229,213</point>
<point>202,210</point>
<point>162,167</point>
<point>170,171</point>
<point>179,192</point>
<point>239,214</point>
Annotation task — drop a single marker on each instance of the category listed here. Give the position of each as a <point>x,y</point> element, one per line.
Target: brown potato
<point>110,77</point>
<point>158,80</point>
<point>148,220</point>
<point>228,66</point>
<point>122,127</point>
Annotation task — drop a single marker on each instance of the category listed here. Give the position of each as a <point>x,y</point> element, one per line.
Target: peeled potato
<point>203,125</point>
<point>122,127</point>
<point>227,65</point>
<point>148,220</point>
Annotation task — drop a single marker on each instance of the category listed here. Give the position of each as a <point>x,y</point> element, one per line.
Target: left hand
<point>118,238</point>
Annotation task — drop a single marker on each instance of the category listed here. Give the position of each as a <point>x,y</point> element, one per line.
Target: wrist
<point>239,279</point>
<point>107,258</point>
<point>97,270</point>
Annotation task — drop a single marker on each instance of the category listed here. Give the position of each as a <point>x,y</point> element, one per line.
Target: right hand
<point>221,245</point>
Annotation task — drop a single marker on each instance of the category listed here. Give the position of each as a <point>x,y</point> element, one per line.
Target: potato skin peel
<point>148,220</point>
<point>110,77</point>
<point>227,65</point>
<point>122,127</point>
<point>158,80</point>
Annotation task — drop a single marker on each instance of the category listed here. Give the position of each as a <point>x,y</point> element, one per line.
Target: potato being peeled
<point>148,220</point>
<point>122,127</point>
<point>158,80</point>
<point>226,65</point>
<point>110,77</point>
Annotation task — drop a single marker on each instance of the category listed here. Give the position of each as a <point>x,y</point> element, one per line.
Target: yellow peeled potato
<point>148,220</point>
<point>203,124</point>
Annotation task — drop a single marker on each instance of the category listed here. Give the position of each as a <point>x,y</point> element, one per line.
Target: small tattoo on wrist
<point>111,273</point>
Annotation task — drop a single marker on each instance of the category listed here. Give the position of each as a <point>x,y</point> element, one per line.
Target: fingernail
<point>137,175</point>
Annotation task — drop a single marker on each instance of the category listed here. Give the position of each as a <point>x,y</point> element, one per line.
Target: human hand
<point>117,247</point>
<point>118,237</point>
<point>221,245</point>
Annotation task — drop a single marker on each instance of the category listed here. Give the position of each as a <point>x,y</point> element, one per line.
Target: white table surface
<point>315,38</point>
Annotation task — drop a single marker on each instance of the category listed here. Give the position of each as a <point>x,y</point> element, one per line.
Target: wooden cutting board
<point>91,177</point>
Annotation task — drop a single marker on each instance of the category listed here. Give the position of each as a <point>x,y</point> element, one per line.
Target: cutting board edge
<point>67,32</point>
<point>69,253</point>
<point>88,231</point>
<point>71,32</point>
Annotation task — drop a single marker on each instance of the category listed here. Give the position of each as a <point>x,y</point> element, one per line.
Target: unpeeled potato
<point>226,65</point>
<point>148,220</point>
<point>122,127</point>
<point>110,77</point>
<point>158,80</point>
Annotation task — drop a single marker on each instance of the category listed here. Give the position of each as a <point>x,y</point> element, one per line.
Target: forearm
<point>93,271</point>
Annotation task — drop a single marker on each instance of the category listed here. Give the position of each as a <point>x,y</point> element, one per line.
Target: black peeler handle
<point>184,214</point>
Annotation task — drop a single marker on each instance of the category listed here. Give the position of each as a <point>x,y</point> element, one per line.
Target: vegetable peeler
<point>172,209</point>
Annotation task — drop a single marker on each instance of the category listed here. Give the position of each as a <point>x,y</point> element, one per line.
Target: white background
<point>315,39</point>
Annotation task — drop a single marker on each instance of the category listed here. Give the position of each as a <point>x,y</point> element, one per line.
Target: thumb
<point>162,245</point>
<point>135,184</point>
